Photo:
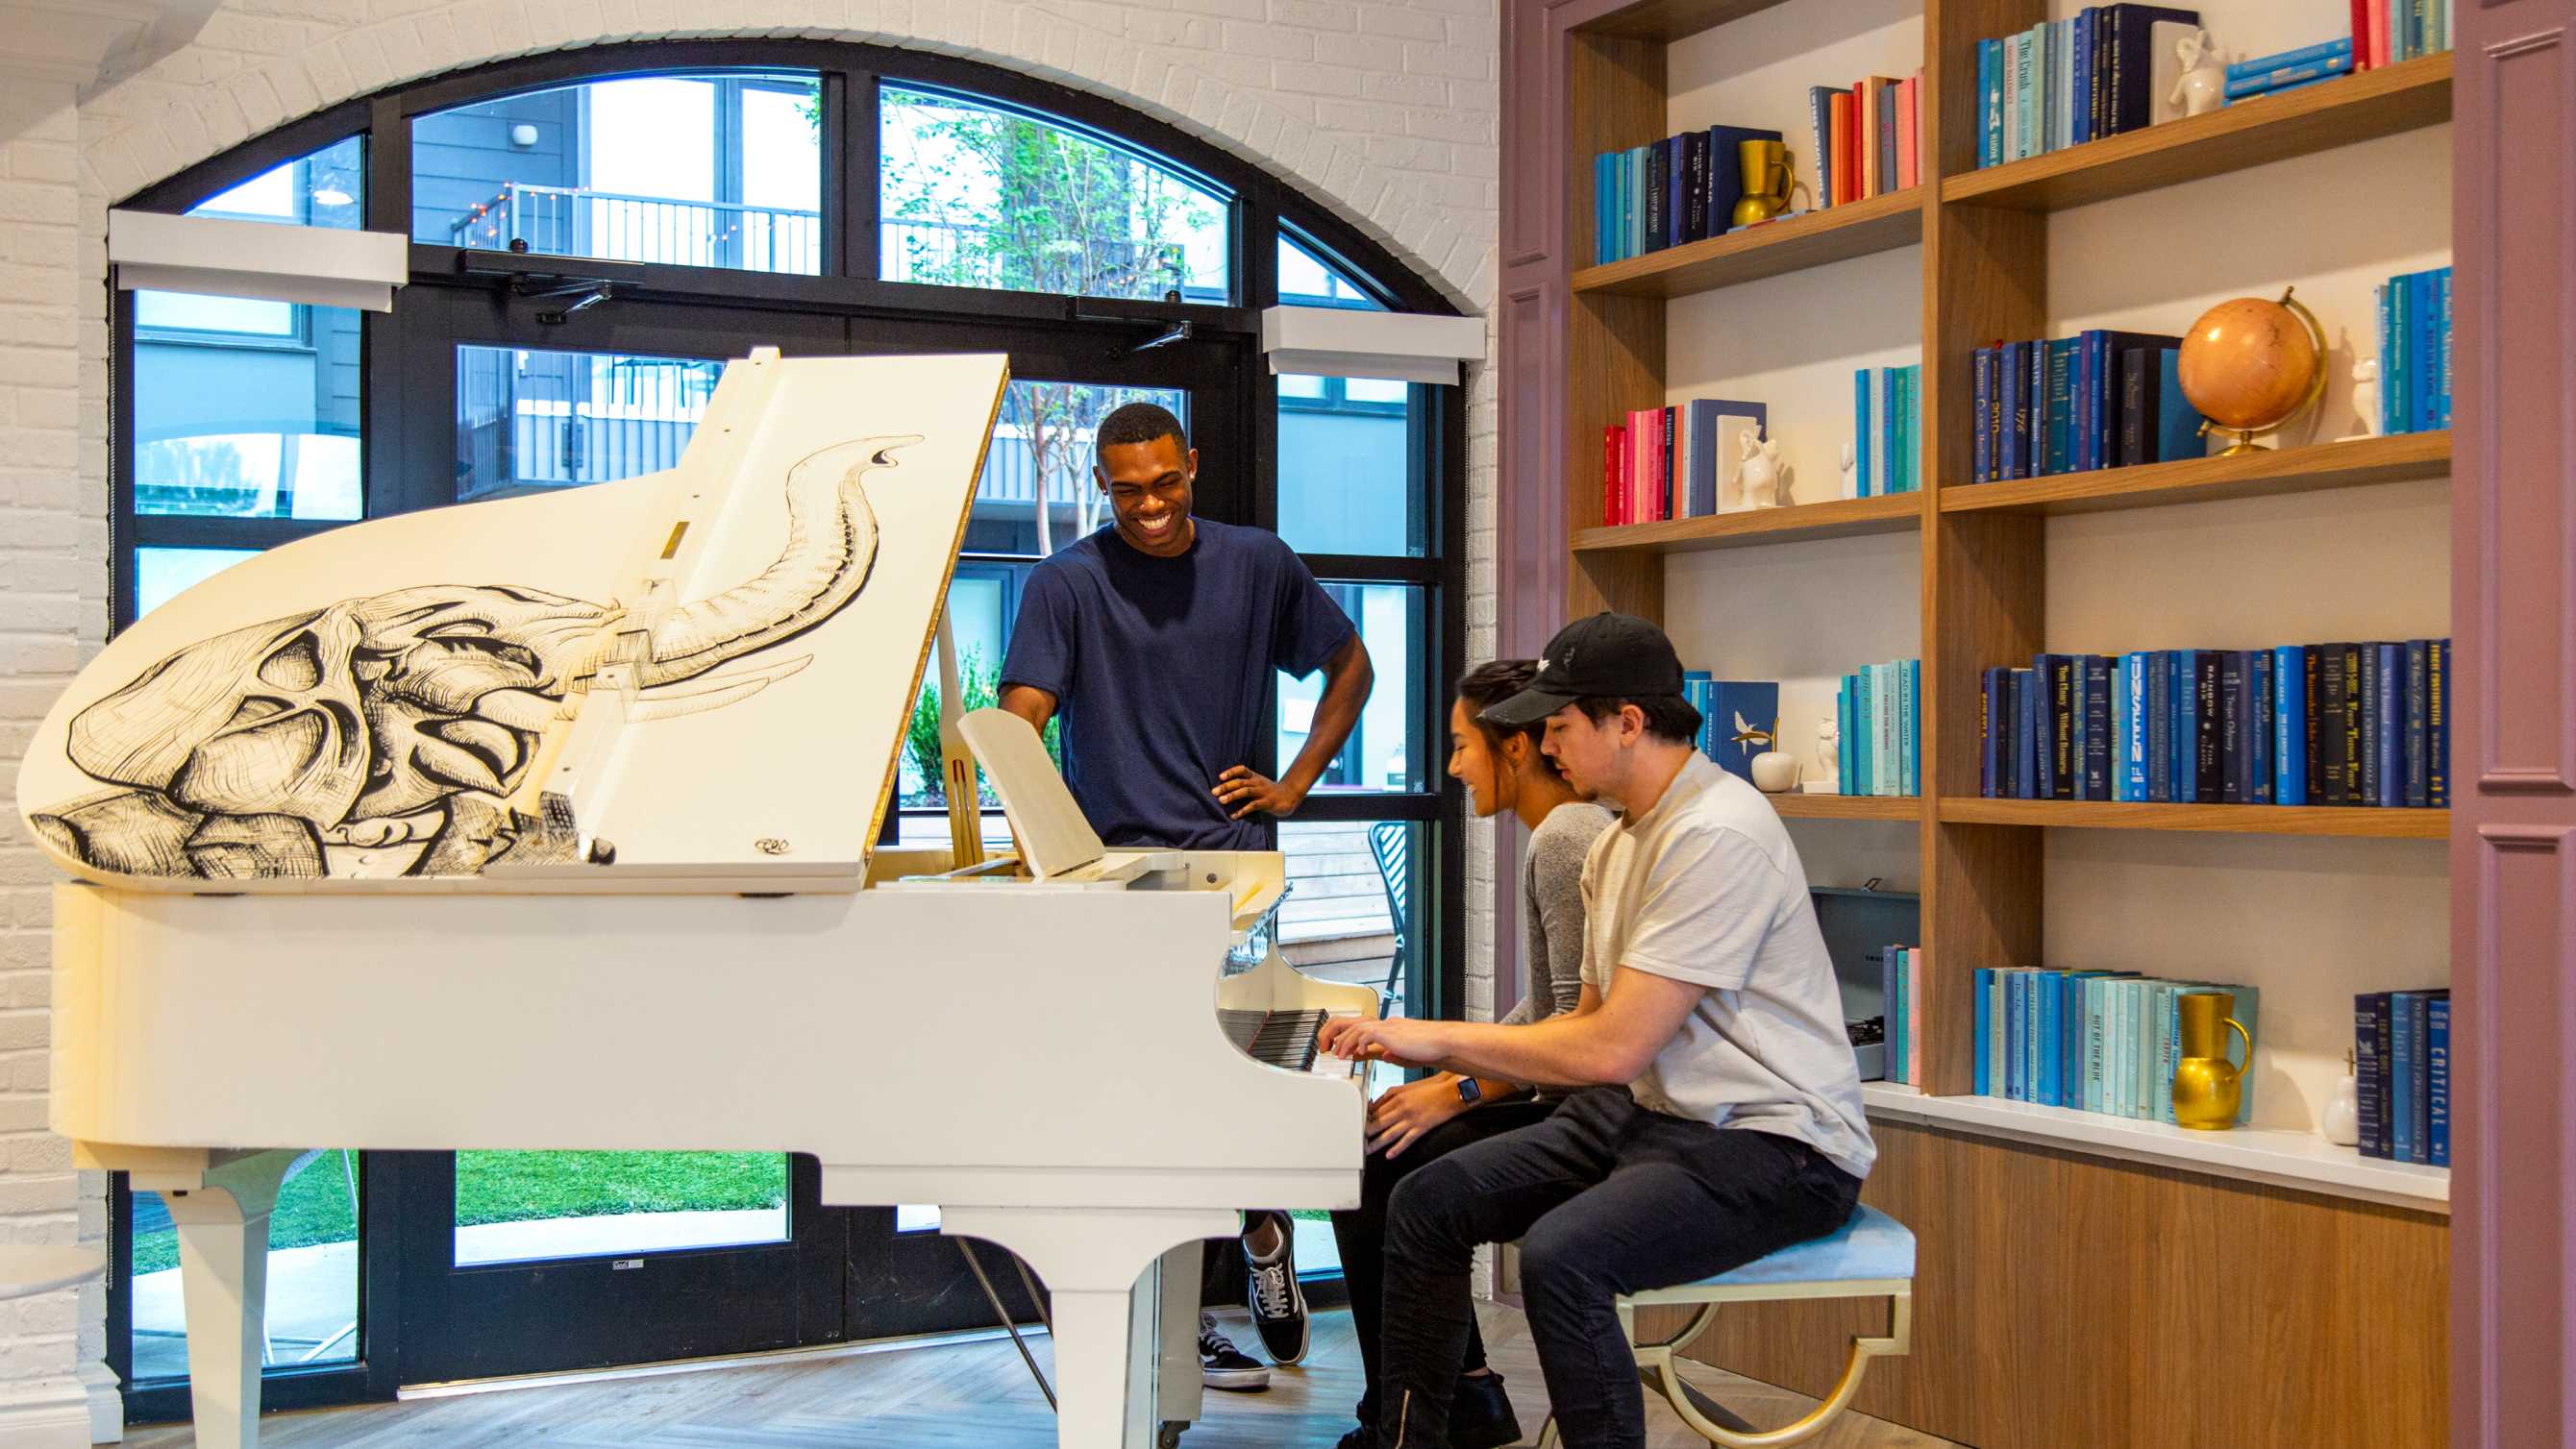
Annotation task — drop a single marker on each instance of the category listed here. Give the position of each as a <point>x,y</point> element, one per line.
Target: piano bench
<point>28,1269</point>
<point>1871,1256</point>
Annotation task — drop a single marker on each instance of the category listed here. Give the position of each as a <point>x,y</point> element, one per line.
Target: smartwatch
<point>1470,1091</point>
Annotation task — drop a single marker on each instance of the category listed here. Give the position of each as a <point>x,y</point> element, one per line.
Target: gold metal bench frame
<point>1657,1371</point>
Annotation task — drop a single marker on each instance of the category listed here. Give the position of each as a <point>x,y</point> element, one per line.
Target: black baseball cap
<point>1609,656</point>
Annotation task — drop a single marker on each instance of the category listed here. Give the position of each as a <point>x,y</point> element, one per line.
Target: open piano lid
<point>699,679</point>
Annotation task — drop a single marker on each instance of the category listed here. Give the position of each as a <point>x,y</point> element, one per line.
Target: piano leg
<point>1090,1261</point>
<point>222,1222</point>
<point>1181,1383</point>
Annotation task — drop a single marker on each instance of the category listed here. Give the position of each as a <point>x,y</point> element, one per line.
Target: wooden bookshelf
<point>2373,823</point>
<point>2265,472</point>
<point>1585,345</point>
<point>2251,132</point>
<point>1836,234</point>
<point>1840,518</point>
<point>1847,807</point>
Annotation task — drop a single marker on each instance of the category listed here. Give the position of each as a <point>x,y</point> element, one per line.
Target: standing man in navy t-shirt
<point>1155,639</point>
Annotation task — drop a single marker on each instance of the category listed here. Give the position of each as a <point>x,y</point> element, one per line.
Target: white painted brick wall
<point>1383,110</point>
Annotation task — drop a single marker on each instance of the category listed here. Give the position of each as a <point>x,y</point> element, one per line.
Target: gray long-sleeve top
<point>1552,902</point>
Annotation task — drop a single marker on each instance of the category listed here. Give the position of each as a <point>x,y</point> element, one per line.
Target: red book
<point>2378,32</point>
<point>1611,438</point>
<point>1846,182</point>
<point>1906,91</point>
<point>2361,56</point>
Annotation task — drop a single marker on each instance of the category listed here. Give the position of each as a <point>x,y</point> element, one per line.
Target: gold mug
<point>2207,1087</point>
<point>1766,181</point>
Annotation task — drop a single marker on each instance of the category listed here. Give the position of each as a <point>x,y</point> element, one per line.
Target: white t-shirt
<point>1706,887</point>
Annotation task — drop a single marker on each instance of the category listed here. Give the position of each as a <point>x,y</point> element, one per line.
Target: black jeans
<point>1606,1198</point>
<point>1362,1232</point>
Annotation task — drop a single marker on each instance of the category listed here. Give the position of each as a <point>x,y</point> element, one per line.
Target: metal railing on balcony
<point>617,226</point>
<point>964,254</point>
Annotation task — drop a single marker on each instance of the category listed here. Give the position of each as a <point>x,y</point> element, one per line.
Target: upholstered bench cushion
<point>1870,1245</point>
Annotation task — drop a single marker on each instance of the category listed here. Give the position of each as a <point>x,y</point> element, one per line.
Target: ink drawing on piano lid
<point>288,725</point>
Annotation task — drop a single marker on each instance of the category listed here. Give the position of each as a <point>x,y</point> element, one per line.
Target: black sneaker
<point>1363,1437</point>
<point>1223,1366</point>
<point>1270,1288</point>
<point>1480,1414</point>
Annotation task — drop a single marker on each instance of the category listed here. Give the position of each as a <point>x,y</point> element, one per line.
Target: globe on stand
<point>2251,366</point>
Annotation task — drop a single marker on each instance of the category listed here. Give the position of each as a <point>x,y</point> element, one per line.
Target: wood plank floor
<point>968,1395</point>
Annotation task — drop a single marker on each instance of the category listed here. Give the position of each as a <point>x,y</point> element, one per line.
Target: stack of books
<point>2094,1041</point>
<point>1676,190</point>
<point>2415,352</point>
<point>2290,70</point>
<point>2402,1070</point>
<point>2385,32</point>
<point>2301,724</point>
<point>1738,718</point>
<point>2062,83</point>
<point>1901,986</point>
<point>1876,712</point>
<point>2099,399</point>
<point>1677,462</point>
<point>1887,430</point>
<point>1865,138</point>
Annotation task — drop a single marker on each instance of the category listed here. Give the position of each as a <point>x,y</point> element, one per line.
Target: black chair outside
<point>1391,843</point>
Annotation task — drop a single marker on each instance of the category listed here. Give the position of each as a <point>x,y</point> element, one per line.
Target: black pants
<point>1606,1198</point>
<point>1362,1232</point>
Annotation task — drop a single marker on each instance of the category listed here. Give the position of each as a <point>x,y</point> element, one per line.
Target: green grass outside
<point>517,1187</point>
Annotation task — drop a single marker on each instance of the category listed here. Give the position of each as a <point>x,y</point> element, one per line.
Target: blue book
<point>1747,719</point>
<point>2026,693</point>
<point>1861,451</point>
<point>2070,1038</point>
<point>2341,46</point>
<point>2391,378</point>
<point>2417,1050</point>
<point>2442,332</point>
<point>2133,738</point>
<point>2187,727</point>
<point>1845,762</point>
<point>2157,706</point>
<point>2059,454</point>
<point>2402,1006</point>
<point>2288,77</point>
<point>2425,360</point>
<point>1992,760</point>
<point>2368,1073</point>
<point>2120,729</point>
<point>1699,425</point>
<point>1865,717</point>
<point>1985,1027</point>
<point>1981,366</point>
<point>2290,725</point>
<point>2046,1032</point>
<point>1677,190</point>
<point>1891,468</point>
<point>2177,422</point>
<point>2034,456</point>
<point>2437,1074</point>
<point>2094,764</point>
<point>2388,724</point>
<point>1909,677</point>
<point>2401,418</point>
<point>2259,731</point>
<point>2437,723</point>
<point>1820,127</point>
<point>2080,125</point>
<point>2016,1037</point>
<point>2014,426</point>
<point>2418,664</point>
<point>1601,195</point>
<point>1990,102</point>
<point>1726,170</point>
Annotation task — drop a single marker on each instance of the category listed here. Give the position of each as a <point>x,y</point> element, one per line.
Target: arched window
<point>593,234</point>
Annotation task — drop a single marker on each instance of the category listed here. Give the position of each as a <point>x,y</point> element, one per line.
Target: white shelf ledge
<point>2300,1160</point>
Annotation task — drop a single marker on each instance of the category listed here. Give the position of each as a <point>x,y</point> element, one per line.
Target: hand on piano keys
<point>1394,1039</point>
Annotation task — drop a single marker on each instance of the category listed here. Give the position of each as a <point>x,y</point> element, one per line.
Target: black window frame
<point>1262,209</point>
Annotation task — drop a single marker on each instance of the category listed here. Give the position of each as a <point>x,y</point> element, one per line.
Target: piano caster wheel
<point>1169,1436</point>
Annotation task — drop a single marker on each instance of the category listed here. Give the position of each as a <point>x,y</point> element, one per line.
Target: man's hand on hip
<point>1242,790</point>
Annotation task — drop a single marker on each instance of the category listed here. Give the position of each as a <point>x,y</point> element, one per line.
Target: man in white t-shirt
<point>1716,1110</point>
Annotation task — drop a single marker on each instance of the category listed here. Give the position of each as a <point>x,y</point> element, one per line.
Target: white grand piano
<point>550,824</point>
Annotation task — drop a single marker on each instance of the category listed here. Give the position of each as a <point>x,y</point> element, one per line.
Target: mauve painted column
<point>2513,726</point>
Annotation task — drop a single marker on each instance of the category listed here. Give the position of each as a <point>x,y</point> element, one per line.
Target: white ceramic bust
<point>1851,472</point>
<point>2365,395</point>
<point>1759,475</point>
<point>2202,86</point>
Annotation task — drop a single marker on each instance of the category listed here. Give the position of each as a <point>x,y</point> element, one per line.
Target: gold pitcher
<point>2207,1087</point>
<point>1766,181</point>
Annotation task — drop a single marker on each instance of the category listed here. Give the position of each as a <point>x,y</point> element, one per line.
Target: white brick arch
<point>1222,76</point>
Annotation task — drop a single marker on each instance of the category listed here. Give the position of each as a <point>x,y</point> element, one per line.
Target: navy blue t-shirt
<point>1161,670</point>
